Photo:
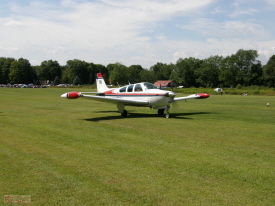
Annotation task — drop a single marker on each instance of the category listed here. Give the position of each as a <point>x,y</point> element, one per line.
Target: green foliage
<point>184,71</point>
<point>241,68</point>
<point>133,73</point>
<point>239,86</point>
<point>252,90</point>
<point>78,68</point>
<point>49,70</point>
<point>14,75</point>
<point>119,75</point>
<point>161,71</point>
<point>147,76</point>
<point>207,75</point>
<point>66,76</point>
<point>56,80</point>
<point>5,64</point>
<point>77,80</point>
<point>269,71</point>
<point>21,72</point>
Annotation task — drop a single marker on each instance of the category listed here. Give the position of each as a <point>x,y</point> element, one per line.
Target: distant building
<point>164,83</point>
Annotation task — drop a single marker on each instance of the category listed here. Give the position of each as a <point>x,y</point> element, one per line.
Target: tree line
<point>241,68</point>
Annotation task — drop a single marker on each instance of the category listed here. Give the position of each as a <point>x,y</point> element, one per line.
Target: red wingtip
<point>204,95</point>
<point>73,95</point>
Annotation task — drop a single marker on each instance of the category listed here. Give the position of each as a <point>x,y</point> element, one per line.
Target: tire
<point>124,113</point>
<point>160,111</point>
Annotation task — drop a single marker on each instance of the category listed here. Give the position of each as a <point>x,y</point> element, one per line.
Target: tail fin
<point>100,83</point>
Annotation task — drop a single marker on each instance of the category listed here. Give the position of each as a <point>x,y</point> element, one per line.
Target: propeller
<point>174,104</point>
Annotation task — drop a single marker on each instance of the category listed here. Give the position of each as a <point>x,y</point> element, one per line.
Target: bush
<point>239,86</point>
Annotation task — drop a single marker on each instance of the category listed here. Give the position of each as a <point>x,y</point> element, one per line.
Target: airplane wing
<point>116,100</point>
<point>193,96</point>
<point>75,95</point>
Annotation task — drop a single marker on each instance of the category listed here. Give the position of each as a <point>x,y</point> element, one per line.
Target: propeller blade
<point>175,105</point>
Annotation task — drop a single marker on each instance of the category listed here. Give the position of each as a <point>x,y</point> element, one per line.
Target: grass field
<point>217,151</point>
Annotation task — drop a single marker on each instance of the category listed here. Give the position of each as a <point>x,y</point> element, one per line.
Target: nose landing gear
<point>167,112</point>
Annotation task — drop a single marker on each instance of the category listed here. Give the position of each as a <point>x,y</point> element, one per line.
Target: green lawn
<point>217,151</point>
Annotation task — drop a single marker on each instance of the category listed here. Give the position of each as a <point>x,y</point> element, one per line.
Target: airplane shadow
<point>142,115</point>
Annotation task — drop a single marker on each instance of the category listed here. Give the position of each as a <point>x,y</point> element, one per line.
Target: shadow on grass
<point>142,115</point>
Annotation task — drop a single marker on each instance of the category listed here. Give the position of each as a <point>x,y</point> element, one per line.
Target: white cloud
<point>131,32</point>
<point>80,27</point>
<point>13,23</point>
<point>271,2</point>
<point>226,30</point>
<point>237,13</point>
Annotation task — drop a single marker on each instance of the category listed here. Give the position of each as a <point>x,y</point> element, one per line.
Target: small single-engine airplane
<point>142,94</point>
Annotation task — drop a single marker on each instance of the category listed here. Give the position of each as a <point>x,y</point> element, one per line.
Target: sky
<point>134,32</point>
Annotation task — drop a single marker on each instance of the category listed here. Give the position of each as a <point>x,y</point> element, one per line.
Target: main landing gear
<point>124,113</point>
<point>161,112</point>
<point>121,110</point>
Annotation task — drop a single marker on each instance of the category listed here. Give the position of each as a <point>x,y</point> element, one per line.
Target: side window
<point>138,88</point>
<point>123,89</point>
<point>130,88</point>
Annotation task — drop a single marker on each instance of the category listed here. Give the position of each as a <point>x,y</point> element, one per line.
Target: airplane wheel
<point>167,115</point>
<point>124,113</point>
<point>160,111</point>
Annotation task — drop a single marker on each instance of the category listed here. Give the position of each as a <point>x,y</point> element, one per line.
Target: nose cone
<point>170,94</point>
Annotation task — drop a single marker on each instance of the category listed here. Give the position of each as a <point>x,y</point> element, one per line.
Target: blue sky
<point>134,32</point>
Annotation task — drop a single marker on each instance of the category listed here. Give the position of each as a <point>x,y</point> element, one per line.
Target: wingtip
<point>65,95</point>
<point>204,95</point>
<point>72,95</point>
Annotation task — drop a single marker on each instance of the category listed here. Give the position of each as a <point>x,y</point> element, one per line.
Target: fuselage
<point>144,91</point>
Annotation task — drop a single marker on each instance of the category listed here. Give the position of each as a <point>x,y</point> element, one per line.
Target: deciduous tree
<point>269,72</point>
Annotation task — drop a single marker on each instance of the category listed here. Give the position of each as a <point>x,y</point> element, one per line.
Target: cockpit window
<point>130,88</point>
<point>138,88</point>
<point>123,89</point>
<point>149,85</point>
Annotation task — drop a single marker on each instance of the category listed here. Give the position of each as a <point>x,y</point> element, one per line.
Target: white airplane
<point>142,94</point>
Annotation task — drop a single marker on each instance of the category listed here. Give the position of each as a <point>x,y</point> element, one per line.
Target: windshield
<point>149,85</point>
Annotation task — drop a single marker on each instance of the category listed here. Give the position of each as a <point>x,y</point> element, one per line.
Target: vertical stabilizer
<point>100,83</point>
